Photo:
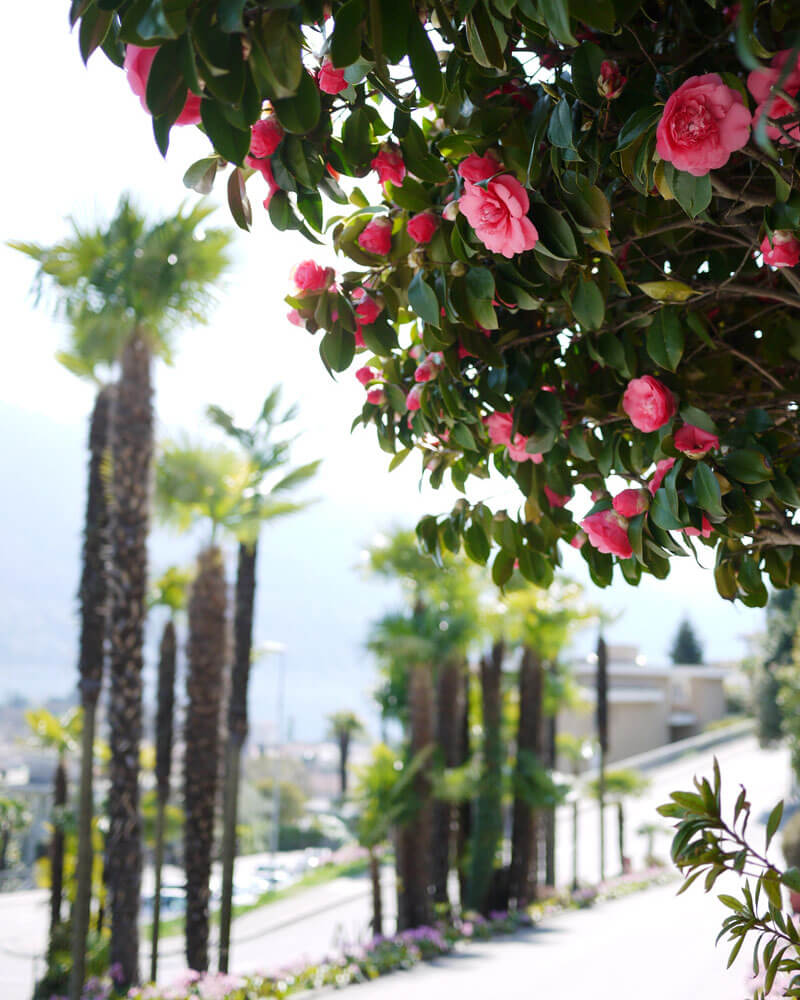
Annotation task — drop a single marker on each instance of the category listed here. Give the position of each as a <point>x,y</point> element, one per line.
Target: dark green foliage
<point>686,647</point>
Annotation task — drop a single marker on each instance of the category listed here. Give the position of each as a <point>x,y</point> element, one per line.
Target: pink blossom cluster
<point>763,85</point>
<point>138,63</point>
<point>265,137</point>
<point>500,426</point>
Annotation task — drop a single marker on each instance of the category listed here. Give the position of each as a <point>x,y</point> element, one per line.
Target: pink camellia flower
<point>367,310</point>
<point>377,237</point>
<point>426,371</point>
<point>498,214</point>
<point>376,396</point>
<point>360,345</point>
<point>499,426</point>
<point>760,83</point>
<point>703,123</point>
<point>331,80</point>
<point>413,399</point>
<point>295,318</point>
<point>422,226</point>
<point>611,81</point>
<point>608,532</point>
<point>694,441</point>
<point>308,276</point>
<point>138,62</point>
<point>265,136</point>
<point>416,352</point>
<point>367,374</point>
<point>578,540</point>
<point>783,251</point>
<point>556,499</point>
<point>389,165</point>
<point>662,468</point>
<point>479,168</point>
<point>264,167</point>
<point>631,502</point>
<point>705,531</point>
<point>648,403</point>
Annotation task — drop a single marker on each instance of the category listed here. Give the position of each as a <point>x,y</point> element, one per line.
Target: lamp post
<point>586,754</point>
<point>602,740</point>
<point>280,649</point>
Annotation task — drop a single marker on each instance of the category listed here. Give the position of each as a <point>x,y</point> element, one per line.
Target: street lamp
<point>279,649</point>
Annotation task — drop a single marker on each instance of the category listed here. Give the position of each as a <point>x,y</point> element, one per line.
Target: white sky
<point>73,139</point>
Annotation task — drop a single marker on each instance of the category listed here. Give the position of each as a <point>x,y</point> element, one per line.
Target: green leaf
<point>559,129</point>
<point>555,235</point>
<point>422,299</point>
<point>640,122</point>
<point>693,194</point>
<point>275,56</point>
<point>774,822</point>
<point>231,143</point>
<point>419,160</point>
<point>93,30</point>
<point>588,204</point>
<point>484,43</point>
<point>502,567</point>
<point>229,15</point>
<point>698,418</point>
<point>785,490</point>
<point>588,305</point>
<point>238,202</point>
<point>356,138</point>
<point>661,514</point>
<point>200,176</point>
<point>299,114</point>
<point>480,283</point>
<point>424,61</point>
<point>667,291</point>
<point>707,491</point>
<point>555,14</point>
<point>748,466</point>
<point>337,349</point>
<point>791,879</point>
<point>586,61</point>
<point>346,40</point>
<point>476,544</point>
<point>665,339</point>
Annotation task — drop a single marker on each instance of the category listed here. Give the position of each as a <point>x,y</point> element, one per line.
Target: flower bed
<point>363,962</point>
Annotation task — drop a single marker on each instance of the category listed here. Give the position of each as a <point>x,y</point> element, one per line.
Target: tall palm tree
<point>435,635</point>
<point>266,497</point>
<point>524,840</point>
<point>63,736</point>
<point>212,485</point>
<point>343,726</point>
<point>169,591</point>
<point>126,287</point>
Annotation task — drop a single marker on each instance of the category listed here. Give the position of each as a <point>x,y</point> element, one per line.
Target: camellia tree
<point>581,264</point>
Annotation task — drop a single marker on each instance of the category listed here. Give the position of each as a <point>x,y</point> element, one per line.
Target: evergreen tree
<point>686,647</point>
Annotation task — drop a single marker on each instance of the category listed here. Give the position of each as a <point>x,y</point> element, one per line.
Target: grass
<point>319,876</point>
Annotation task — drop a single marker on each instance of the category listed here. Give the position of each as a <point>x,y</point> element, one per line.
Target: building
<point>647,706</point>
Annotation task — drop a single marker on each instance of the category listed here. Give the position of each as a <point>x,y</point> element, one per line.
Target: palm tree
<point>343,727</point>
<point>434,637</point>
<point>125,288</point>
<point>539,623</point>
<point>14,818</point>
<point>267,452</point>
<point>210,485</point>
<point>169,591</point>
<point>62,735</point>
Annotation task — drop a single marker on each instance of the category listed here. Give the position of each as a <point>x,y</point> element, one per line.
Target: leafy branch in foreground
<point>705,843</point>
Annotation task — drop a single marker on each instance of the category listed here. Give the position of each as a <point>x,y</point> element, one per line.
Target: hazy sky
<point>73,139</point>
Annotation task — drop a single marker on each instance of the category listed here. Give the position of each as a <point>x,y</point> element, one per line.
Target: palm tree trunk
<point>488,832</point>
<point>549,755</point>
<point>377,898</point>
<point>464,831</point>
<point>448,691</point>
<point>621,835</point>
<point>344,753</point>
<point>164,735</point>
<point>94,626</point>
<point>415,836</point>
<point>237,733</point>
<point>522,887</point>
<point>201,761</point>
<point>132,453</point>
<point>57,846</point>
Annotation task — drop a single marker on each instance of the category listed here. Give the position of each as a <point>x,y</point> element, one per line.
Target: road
<point>313,922</point>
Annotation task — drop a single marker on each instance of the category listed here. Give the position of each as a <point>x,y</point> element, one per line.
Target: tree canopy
<point>686,647</point>
<point>580,268</point>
